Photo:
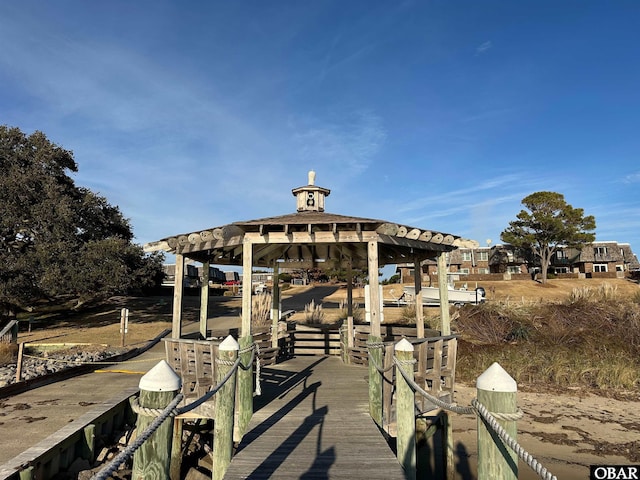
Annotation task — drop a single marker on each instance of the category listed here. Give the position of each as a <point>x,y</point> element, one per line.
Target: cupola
<point>310,198</point>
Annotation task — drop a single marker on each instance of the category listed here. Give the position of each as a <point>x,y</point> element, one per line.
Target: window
<point>560,254</point>
<point>466,256</point>
<point>483,271</point>
<point>600,267</point>
<point>513,269</point>
<point>600,250</point>
<point>482,256</point>
<point>464,271</point>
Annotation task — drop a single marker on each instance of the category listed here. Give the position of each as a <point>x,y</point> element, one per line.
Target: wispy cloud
<point>632,178</point>
<point>484,47</point>
<point>350,142</point>
<point>468,192</point>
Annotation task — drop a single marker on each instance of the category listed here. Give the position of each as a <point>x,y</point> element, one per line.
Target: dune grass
<point>591,340</point>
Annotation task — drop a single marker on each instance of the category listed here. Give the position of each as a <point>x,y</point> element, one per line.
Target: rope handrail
<point>491,419</point>
<point>507,440</point>
<point>172,410</point>
<point>123,456</point>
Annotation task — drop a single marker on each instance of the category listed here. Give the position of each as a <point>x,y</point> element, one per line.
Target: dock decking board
<point>313,421</point>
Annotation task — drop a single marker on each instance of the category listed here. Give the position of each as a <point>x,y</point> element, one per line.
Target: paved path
<point>313,421</point>
<point>30,417</point>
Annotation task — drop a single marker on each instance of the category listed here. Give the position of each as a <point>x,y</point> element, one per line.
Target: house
<point>472,262</point>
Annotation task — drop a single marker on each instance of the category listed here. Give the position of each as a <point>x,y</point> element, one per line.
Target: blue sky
<point>436,114</point>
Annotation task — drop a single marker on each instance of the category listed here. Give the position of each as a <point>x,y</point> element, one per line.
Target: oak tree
<point>548,223</point>
<point>59,240</point>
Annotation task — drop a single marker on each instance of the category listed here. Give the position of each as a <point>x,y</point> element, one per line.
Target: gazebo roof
<point>308,238</point>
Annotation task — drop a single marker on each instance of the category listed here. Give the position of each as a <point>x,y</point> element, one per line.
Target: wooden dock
<point>312,421</point>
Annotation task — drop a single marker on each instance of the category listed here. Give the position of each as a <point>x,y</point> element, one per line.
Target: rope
<point>376,345</point>
<point>435,400</point>
<point>491,421</point>
<point>161,415</point>
<point>258,390</point>
<point>119,459</point>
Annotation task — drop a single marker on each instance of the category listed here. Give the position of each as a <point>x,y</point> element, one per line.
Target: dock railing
<point>402,392</point>
<point>159,402</point>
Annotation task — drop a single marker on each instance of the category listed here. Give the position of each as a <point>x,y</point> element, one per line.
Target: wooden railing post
<point>405,410</point>
<point>496,390</point>
<point>19,363</point>
<point>158,387</point>
<point>225,403</point>
<point>245,389</point>
<point>375,379</point>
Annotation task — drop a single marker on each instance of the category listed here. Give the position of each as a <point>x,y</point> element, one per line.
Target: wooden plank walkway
<point>312,421</point>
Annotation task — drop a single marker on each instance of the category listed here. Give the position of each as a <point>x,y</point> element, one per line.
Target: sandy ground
<point>565,432</point>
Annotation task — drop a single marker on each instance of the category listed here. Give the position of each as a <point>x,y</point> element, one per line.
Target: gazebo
<point>308,238</point>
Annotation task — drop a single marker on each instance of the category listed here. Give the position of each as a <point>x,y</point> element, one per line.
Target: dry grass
<point>8,353</point>
<point>313,314</point>
<point>261,310</point>
<point>588,339</point>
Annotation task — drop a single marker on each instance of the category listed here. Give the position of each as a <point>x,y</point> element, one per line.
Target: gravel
<point>38,363</point>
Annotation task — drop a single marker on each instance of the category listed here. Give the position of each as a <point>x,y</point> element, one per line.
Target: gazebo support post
<point>375,340</point>
<point>245,377</point>
<point>178,290</point>
<point>275,306</point>
<point>417,280</point>
<point>349,307</point>
<point>204,299</point>
<point>445,320</point>
<point>446,330</point>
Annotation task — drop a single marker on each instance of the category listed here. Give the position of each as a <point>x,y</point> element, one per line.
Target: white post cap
<point>229,343</point>
<point>496,379</point>
<point>160,378</point>
<point>404,345</point>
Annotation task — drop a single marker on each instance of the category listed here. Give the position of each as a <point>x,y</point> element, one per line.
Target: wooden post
<point>275,306</point>
<point>443,287</point>
<point>245,389</point>
<point>225,402</point>
<point>496,390</point>
<point>417,281</point>
<point>448,446</point>
<point>375,378</point>
<point>204,299</point>
<point>374,287</point>
<point>124,325</point>
<point>178,290</point>
<point>87,449</point>
<point>158,387</point>
<point>175,466</point>
<point>26,474</point>
<point>405,413</point>
<point>349,308</point>
<point>247,267</point>
<point>19,364</point>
